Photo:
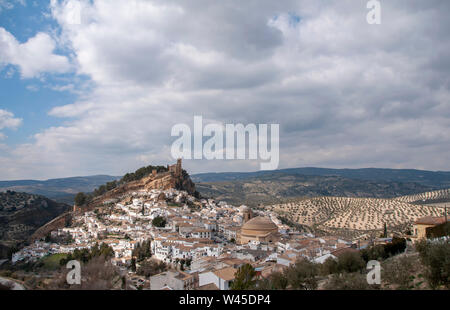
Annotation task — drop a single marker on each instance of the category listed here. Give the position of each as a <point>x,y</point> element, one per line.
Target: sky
<point>98,92</point>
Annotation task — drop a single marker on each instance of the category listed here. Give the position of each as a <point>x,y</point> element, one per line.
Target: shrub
<point>436,258</point>
<point>329,266</point>
<point>348,281</point>
<point>302,275</point>
<point>245,278</point>
<point>159,221</point>
<point>350,262</point>
<point>399,271</point>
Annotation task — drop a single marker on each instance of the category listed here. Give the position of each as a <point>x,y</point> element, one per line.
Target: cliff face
<point>61,221</point>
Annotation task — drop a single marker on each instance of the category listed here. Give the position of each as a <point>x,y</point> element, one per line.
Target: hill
<point>21,214</point>
<point>353,216</point>
<point>269,188</point>
<point>61,190</point>
<point>434,197</point>
<point>430,179</point>
<point>143,179</point>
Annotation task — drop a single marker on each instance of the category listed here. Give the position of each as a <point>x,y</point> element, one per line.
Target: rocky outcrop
<point>175,177</point>
<point>59,222</point>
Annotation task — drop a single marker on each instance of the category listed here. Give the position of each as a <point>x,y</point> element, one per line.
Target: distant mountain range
<point>61,190</point>
<point>434,179</point>
<point>267,186</point>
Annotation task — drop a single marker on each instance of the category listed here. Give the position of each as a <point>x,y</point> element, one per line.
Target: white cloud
<point>7,120</point>
<point>345,93</point>
<point>9,4</point>
<point>34,57</point>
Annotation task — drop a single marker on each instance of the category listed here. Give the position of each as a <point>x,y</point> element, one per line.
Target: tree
<point>398,245</point>
<point>97,274</point>
<point>350,262</point>
<point>302,275</point>
<point>159,221</point>
<point>330,266</point>
<point>245,278</point>
<point>133,264</point>
<point>278,281</point>
<point>436,258</point>
<point>142,251</point>
<point>400,271</point>
<point>374,253</point>
<point>348,281</point>
<point>149,268</point>
<point>80,199</point>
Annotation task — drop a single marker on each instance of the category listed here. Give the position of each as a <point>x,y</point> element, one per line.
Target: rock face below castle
<point>175,177</point>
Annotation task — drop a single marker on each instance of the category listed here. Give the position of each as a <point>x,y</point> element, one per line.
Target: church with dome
<point>259,228</point>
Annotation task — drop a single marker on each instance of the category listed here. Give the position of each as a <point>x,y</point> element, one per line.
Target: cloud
<point>345,93</point>
<point>7,120</point>
<point>9,4</point>
<point>33,57</point>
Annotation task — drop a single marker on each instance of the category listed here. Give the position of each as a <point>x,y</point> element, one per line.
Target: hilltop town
<point>200,242</point>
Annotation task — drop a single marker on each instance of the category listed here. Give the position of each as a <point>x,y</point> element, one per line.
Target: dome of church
<point>259,225</point>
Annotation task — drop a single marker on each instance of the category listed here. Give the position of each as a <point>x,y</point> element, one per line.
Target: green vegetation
<point>85,255</point>
<point>97,274</point>
<point>245,278</point>
<point>141,173</point>
<point>348,281</point>
<point>435,256</point>
<point>347,272</point>
<point>302,275</point>
<point>384,251</point>
<point>52,262</point>
<point>400,271</point>
<point>276,281</point>
<point>82,198</point>
<point>159,221</point>
<point>151,267</point>
<point>350,262</point>
<point>142,251</point>
<point>438,231</point>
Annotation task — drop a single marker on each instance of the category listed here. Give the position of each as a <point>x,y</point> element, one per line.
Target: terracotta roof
<point>431,220</point>
<point>339,252</point>
<point>226,274</point>
<point>208,287</point>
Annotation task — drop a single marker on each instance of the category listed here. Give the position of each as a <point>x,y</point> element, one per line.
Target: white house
<point>222,278</point>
